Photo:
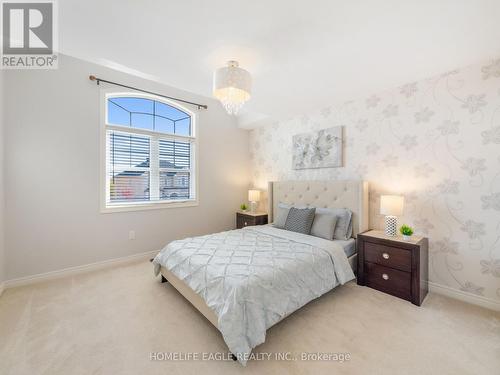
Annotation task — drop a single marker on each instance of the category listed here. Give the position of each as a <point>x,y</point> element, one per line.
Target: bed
<point>244,281</point>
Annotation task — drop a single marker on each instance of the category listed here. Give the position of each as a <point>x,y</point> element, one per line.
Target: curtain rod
<point>99,80</point>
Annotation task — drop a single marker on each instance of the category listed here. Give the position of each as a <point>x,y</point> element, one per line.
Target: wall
<point>436,141</point>
<point>52,174</point>
<point>2,182</point>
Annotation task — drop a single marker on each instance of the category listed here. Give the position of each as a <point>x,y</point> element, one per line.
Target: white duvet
<point>254,277</point>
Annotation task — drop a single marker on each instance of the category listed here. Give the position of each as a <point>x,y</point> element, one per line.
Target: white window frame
<point>104,185</point>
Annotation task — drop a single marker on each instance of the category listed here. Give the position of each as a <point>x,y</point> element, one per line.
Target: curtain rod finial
<point>92,78</point>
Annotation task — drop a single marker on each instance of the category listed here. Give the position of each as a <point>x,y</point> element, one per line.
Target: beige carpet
<point>108,322</point>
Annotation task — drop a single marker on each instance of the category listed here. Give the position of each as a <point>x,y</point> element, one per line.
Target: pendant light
<point>232,86</point>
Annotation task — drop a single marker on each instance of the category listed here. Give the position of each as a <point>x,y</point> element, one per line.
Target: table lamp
<point>254,198</point>
<point>391,206</point>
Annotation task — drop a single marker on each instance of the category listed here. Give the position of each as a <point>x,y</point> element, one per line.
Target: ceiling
<point>303,55</point>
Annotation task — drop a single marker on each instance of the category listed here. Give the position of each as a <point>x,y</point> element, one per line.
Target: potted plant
<point>406,231</point>
<point>243,207</point>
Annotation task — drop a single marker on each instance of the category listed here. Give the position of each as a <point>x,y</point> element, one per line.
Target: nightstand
<point>246,219</point>
<point>393,265</point>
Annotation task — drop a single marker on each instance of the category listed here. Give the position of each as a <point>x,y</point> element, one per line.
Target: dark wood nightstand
<point>393,265</point>
<point>246,219</point>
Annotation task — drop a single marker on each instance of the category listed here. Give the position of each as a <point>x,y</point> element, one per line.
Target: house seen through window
<point>149,151</point>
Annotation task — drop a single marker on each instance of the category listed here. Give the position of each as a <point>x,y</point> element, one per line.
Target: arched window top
<point>150,114</point>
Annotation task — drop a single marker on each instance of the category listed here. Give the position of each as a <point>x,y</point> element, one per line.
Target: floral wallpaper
<point>437,142</point>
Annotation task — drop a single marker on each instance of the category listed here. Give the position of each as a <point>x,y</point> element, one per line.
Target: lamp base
<point>253,207</point>
<point>391,225</point>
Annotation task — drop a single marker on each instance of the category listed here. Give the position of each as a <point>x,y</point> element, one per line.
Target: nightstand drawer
<point>244,221</point>
<point>388,256</point>
<point>248,219</point>
<point>388,280</point>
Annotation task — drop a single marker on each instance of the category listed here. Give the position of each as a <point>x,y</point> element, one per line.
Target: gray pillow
<point>343,228</point>
<point>281,215</point>
<point>300,220</point>
<point>324,225</point>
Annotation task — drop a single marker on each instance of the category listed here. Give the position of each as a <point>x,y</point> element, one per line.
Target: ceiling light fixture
<point>232,86</point>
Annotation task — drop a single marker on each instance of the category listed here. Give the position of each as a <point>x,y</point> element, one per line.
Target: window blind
<point>132,175</point>
<point>128,167</point>
<point>174,154</point>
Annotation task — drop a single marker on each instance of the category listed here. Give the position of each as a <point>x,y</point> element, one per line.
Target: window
<point>149,153</point>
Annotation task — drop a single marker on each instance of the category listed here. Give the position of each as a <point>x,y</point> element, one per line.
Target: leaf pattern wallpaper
<point>437,142</point>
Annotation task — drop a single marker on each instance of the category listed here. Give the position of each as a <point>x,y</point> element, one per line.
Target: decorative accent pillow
<point>300,220</point>
<point>343,227</point>
<point>324,225</point>
<point>281,215</point>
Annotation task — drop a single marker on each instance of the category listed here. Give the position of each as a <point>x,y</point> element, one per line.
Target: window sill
<point>148,206</point>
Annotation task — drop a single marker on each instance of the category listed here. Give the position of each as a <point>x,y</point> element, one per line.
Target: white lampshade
<point>391,205</point>
<point>232,86</point>
<point>254,195</point>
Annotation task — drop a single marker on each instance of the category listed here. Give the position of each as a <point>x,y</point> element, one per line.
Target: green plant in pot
<point>243,207</point>
<point>406,231</point>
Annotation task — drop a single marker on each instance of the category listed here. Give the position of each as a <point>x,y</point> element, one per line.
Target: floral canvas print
<point>319,149</point>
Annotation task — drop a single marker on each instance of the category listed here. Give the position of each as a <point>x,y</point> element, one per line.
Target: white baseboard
<point>464,296</point>
<point>71,271</point>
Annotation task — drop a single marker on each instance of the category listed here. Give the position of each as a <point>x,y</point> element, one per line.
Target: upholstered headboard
<point>328,194</point>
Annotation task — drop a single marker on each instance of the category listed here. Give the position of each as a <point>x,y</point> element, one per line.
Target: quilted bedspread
<point>254,277</point>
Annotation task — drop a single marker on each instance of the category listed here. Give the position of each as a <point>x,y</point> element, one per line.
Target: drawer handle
<point>385,256</point>
<point>385,276</point>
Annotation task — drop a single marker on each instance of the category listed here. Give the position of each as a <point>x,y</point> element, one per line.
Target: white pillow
<point>324,225</point>
<point>343,227</point>
<point>281,215</point>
